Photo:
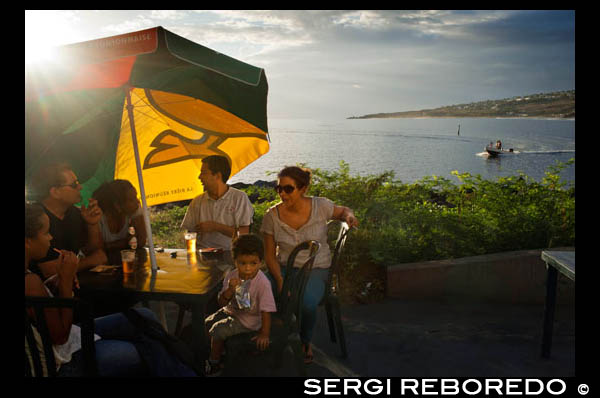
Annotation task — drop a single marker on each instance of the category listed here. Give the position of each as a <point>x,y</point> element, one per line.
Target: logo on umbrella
<point>172,147</point>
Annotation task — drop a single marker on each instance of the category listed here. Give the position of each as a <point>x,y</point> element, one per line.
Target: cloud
<point>172,15</point>
<point>139,22</point>
<point>343,62</point>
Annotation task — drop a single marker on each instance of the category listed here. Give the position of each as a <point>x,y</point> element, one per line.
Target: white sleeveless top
<point>108,236</point>
<point>63,352</point>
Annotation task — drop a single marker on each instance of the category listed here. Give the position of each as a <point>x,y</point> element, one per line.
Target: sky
<point>328,65</point>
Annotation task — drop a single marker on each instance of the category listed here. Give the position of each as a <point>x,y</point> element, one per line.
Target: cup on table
<point>190,240</point>
<point>128,260</point>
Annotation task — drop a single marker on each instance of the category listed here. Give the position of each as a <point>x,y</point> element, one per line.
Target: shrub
<point>430,219</point>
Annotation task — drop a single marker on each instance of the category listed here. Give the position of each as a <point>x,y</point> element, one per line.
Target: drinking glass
<point>190,240</point>
<point>128,260</point>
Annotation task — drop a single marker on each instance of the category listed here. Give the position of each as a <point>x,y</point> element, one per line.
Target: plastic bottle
<point>236,233</point>
<point>133,240</point>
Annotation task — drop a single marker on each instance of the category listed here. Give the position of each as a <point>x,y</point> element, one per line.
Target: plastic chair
<point>330,299</point>
<point>39,364</point>
<point>285,323</point>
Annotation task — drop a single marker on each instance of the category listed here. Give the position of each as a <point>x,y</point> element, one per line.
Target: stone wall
<point>513,277</point>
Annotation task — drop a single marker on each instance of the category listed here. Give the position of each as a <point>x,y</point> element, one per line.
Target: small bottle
<point>133,240</point>
<point>236,233</point>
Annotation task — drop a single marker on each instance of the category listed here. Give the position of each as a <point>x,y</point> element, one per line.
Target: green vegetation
<point>431,219</point>
<point>560,104</point>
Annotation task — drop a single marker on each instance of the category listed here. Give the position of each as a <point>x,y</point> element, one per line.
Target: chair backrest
<point>39,365</point>
<point>292,292</point>
<point>337,252</point>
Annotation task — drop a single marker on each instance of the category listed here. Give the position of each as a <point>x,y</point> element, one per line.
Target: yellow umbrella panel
<point>174,133</point>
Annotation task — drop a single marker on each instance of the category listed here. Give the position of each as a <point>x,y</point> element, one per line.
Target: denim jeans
<point>115,357</point>
<point>313,294</point>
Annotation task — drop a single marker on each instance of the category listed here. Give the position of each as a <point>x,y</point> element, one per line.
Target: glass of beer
<point>192,260</point>
<point>128,260</point>
<point>190,240</point>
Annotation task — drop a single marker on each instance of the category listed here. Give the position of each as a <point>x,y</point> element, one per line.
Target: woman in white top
<point>120,210</point>
<point>295,219</point>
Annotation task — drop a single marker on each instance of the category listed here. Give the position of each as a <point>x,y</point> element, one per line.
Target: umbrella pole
<point>140,179</point>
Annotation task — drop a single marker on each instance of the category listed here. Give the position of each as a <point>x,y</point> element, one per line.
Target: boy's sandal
<point>308,358</point>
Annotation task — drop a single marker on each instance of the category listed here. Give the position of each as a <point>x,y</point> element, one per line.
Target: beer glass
<point>128,260</point>
<point>190,240</point>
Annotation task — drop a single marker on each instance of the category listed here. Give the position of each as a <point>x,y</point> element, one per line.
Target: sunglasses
<point>286,188</point>
<point>73,185</point>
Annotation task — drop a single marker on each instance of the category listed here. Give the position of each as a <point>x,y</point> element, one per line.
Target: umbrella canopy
<point>188,102</point>
<point>147,107</point>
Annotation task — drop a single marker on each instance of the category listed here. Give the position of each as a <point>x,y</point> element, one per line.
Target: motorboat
<point>495,150</point>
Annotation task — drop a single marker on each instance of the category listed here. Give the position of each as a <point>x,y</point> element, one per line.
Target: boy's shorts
<point>221,325</point>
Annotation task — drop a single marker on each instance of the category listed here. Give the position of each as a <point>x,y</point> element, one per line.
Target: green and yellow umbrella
<point>147,107</point>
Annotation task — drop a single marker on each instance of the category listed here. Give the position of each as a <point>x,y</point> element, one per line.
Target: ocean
<point>415,148</point>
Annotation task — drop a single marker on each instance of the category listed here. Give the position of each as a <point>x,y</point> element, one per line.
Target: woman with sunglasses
<point>298,218</point>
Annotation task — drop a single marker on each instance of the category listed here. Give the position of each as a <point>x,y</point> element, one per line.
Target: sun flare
<point>43,32</point>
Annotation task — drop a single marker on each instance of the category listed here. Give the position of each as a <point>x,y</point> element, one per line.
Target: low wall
<point>514,277</point>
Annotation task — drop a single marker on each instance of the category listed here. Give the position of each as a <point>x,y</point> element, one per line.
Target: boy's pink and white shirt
<point>261,299</point>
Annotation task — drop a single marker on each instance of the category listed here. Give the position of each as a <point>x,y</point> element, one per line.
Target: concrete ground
<point>431,339</point>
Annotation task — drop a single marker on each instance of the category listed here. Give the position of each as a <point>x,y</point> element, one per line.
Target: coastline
<point>464,117</point>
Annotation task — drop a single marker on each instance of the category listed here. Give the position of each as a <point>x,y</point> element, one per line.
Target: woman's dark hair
<point>299,174</point>
<point>112,193</point>
<point>33,219</point>
<point>248,244</point>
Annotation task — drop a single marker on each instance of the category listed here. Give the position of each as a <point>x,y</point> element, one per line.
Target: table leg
<point>200,344</point>
<point>549,309</point>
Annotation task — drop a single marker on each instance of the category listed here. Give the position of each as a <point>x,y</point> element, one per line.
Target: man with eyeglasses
<point>221,211</point>
<point>76,230</point>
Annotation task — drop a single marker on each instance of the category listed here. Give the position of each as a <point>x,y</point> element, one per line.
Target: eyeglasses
<point>286,188</point>
<point>73,185</point>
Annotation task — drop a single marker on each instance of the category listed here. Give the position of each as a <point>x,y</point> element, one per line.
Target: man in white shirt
<point>221,211</point>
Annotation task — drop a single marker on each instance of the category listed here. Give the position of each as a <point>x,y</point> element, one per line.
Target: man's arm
<point>212,226</point>
<point>94,241</point>
<point>95,258</point>
<point>93,249</point>
<point>189,220</point>
<point>92,215</point>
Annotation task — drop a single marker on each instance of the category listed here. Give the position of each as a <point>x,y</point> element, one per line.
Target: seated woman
<point>115,355</point>
<point>121,209</point>
<point>298,218</point>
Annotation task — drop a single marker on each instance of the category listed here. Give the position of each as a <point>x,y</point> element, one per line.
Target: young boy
<point>240,316</point>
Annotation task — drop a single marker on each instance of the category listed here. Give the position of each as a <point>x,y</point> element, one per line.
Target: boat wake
<point>550,152</point>
<point>485,154</point>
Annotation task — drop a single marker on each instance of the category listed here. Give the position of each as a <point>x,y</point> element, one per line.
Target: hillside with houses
<point>560,105</point>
